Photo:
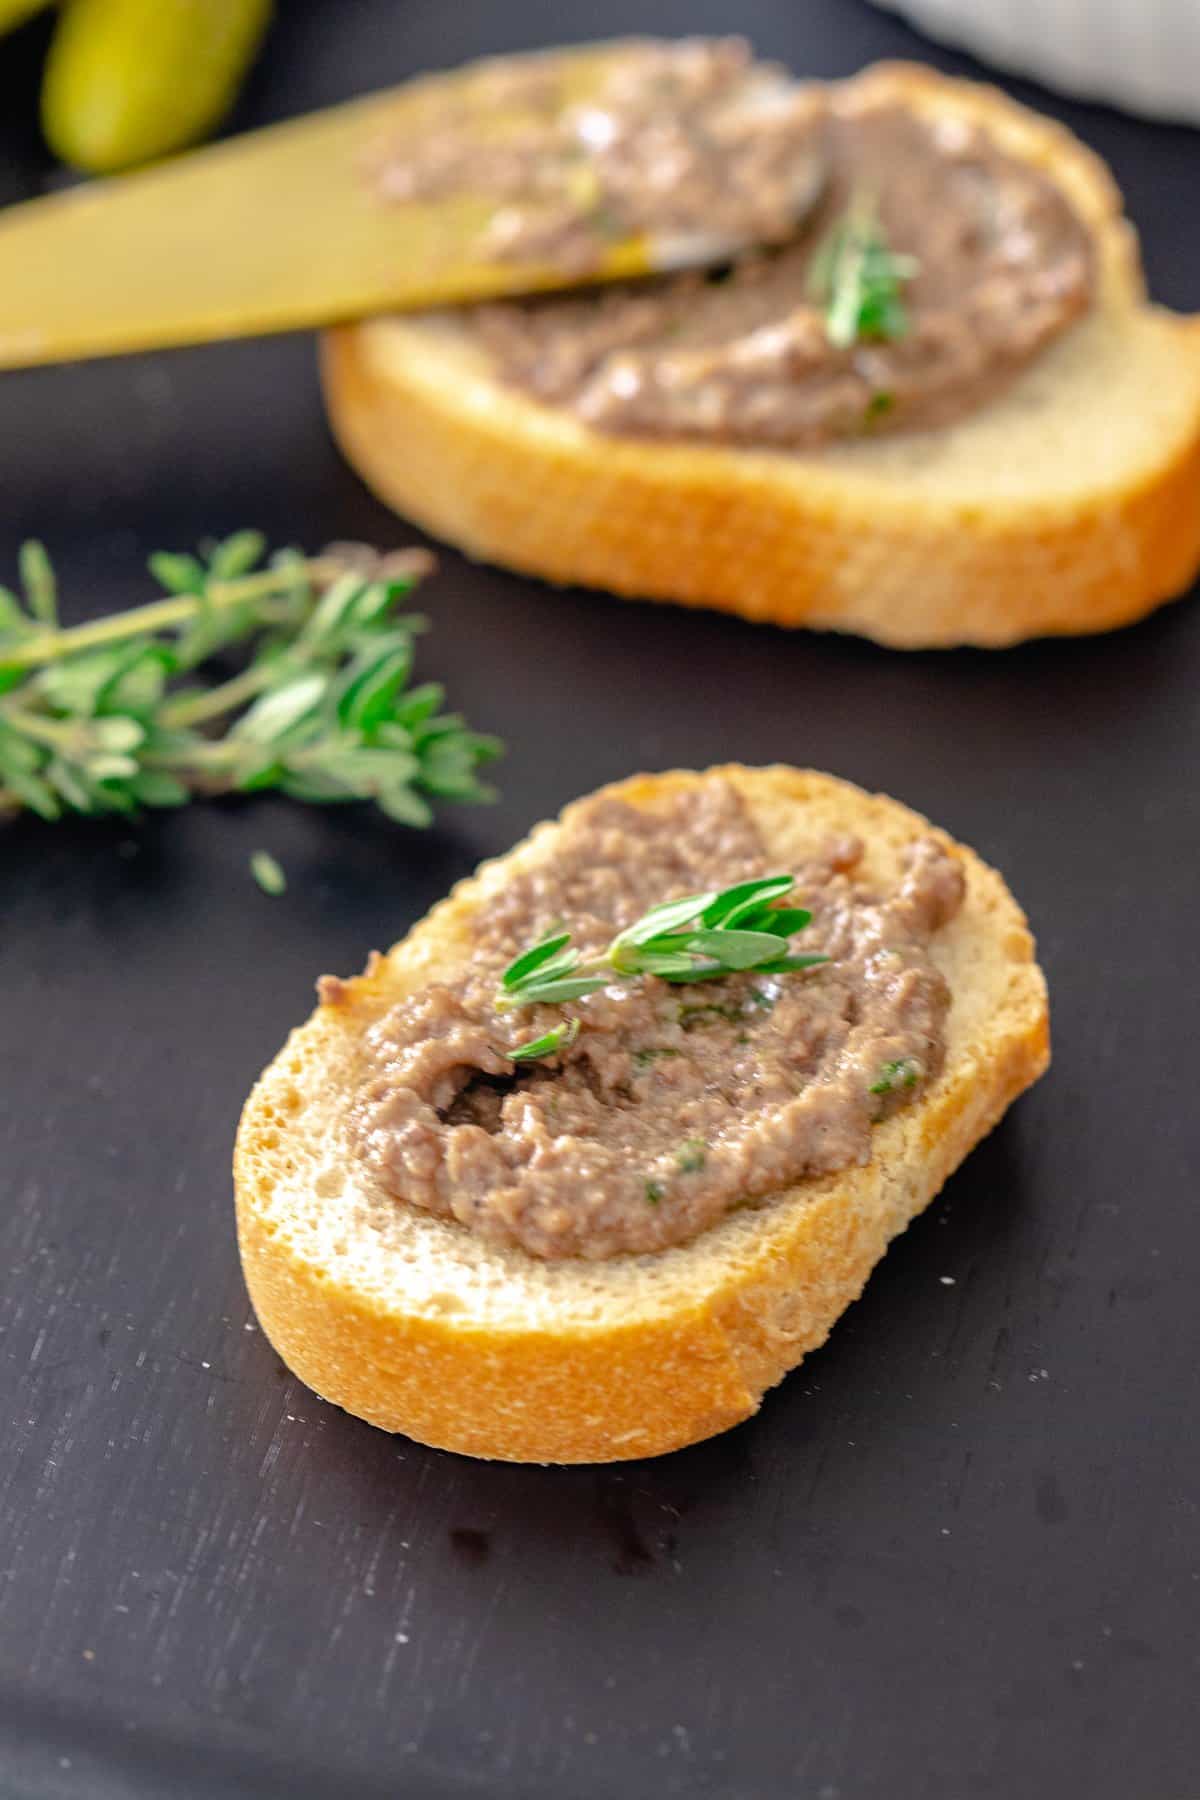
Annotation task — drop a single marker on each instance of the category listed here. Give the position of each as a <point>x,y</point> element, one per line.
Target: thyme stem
<point>214,703</point>
<point>161,615</point>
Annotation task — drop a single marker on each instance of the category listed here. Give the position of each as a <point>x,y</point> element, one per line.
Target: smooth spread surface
<point>1001,263</point>
<point>674,1103</point>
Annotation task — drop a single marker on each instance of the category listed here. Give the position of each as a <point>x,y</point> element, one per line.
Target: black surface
<point>956,1555</point>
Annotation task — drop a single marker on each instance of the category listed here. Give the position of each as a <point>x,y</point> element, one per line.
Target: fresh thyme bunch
<point>115,714</point>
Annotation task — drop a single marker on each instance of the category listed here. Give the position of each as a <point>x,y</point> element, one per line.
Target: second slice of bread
<point>1068,504</point>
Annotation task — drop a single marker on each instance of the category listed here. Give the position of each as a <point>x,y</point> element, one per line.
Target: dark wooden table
<point>956,1555</point>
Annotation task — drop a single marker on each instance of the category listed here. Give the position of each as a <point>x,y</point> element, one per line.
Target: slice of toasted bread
<point>419,1326</point>
<point>1067,504</point>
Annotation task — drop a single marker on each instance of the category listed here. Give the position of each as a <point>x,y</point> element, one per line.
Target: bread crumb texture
<point>415,1324</point>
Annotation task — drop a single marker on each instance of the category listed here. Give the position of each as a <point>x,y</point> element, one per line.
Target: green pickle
<point>128,81</point>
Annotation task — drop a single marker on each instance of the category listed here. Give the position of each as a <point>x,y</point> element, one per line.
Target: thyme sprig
<point>115,714</point>
<point>701,937</point>
<point>859,280</point>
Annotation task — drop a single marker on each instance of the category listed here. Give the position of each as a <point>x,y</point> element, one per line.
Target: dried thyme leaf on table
<point>312,697</point>
<point>701,937</point>
<point>268,873</point>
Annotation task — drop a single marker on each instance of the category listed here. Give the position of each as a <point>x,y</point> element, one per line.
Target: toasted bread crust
<point>834,540</point>
<point>717,1322</point>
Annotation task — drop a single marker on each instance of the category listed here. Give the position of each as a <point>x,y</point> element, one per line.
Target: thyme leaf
<point>905,1072</point>
<point>559,1037</point>
<point>859,280</point>
<point>268,873</point>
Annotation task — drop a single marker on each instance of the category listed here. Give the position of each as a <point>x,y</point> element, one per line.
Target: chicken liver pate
<point>673,1104</point>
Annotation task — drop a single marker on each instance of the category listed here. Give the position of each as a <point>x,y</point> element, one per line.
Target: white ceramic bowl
<point>1143,55</point>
